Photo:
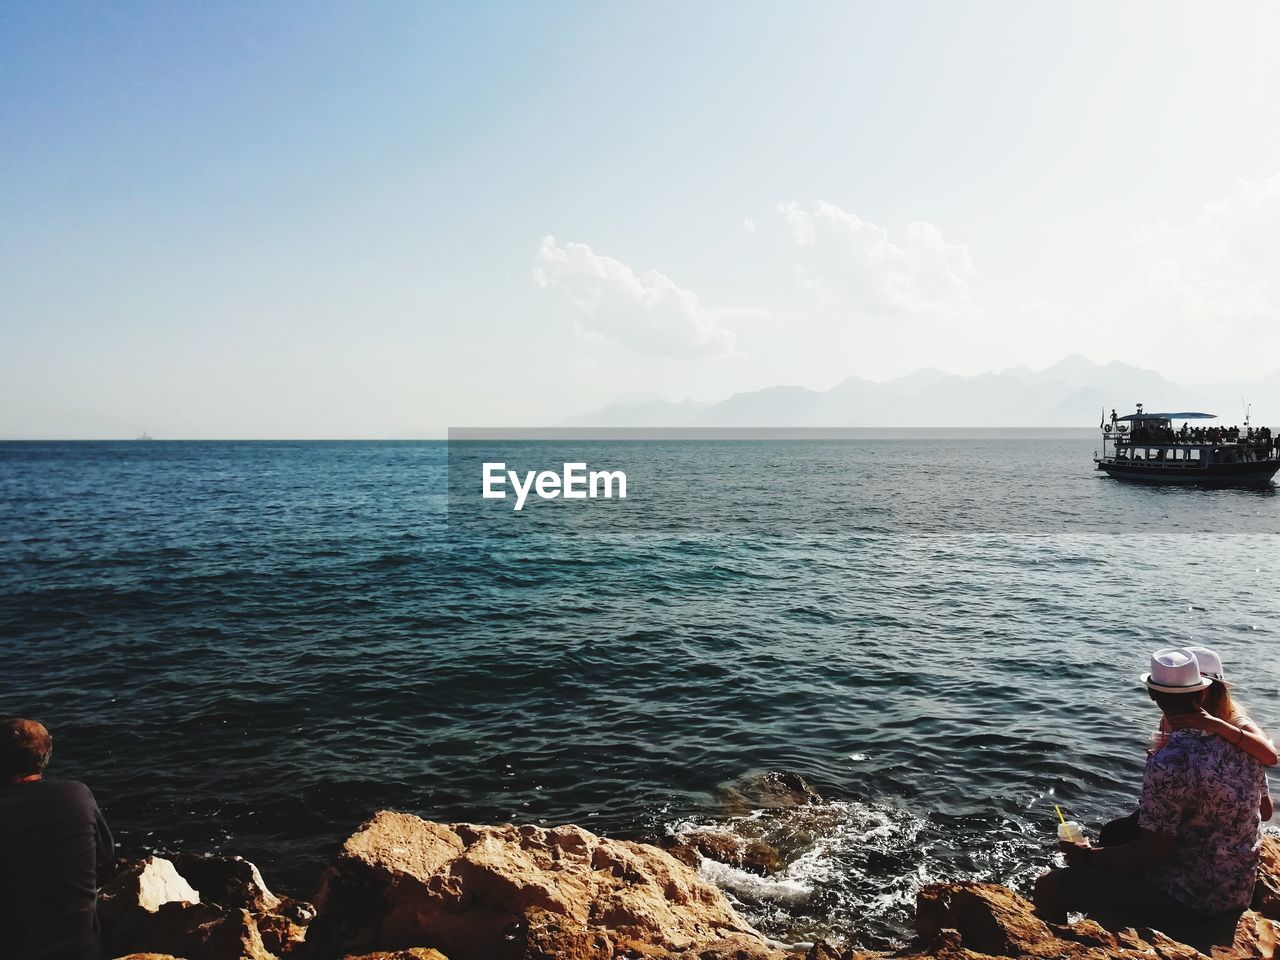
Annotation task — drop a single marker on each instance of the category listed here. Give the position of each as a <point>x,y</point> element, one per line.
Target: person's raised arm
<point>1257,744</point>
<point>1247,737</point>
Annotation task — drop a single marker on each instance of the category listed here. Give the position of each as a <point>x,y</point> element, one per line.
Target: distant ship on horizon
<point>144,436</point>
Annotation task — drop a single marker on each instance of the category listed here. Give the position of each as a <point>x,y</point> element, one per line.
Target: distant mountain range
<point>1070,393</point>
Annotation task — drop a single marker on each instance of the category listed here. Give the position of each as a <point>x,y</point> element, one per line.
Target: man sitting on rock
<point>1195,861</point>
<point>52,839</point>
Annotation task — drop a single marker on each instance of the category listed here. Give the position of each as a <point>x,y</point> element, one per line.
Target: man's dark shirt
<point>52,838</point>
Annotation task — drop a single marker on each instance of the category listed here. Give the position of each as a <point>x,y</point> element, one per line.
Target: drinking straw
<point>1060,816</point>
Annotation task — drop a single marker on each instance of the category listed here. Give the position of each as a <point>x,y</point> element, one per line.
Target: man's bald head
<point>25,748</point>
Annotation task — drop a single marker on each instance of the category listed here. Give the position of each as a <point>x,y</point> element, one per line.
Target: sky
<point>387,219</point>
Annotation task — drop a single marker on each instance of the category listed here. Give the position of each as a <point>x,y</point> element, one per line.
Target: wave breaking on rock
<point>404,888</point>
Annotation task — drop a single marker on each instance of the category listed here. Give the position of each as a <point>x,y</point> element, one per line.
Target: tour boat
<point>1146,447</point>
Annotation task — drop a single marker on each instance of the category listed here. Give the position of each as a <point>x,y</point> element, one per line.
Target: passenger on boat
<point>1262,437</point>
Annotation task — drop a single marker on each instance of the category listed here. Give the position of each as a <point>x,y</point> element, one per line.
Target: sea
<point>250,647</point>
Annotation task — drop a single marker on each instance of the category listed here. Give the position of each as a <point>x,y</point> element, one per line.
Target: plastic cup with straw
<point>1068,830</point>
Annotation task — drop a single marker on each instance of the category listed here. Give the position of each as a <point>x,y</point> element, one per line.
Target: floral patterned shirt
<point>1205,792</point>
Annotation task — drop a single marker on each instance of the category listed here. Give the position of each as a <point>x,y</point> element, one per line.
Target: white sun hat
<point>1210,664</point>
<point>1175,671</point>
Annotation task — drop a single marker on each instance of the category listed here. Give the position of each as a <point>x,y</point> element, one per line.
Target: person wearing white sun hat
<point>1225,719</point>
<point>1194,860</point>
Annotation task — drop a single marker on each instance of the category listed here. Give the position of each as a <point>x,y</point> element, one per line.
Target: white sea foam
<point>834,855</point>
<point>745,885</point>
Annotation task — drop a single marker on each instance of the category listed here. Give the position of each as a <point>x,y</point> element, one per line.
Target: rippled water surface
<point>250,647</point>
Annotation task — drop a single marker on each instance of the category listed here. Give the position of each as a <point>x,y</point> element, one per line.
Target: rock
<point>968,921</point>
<point>299,911</point>
<point>1255,936</point>
<point>146,886</point>
<point>516,893</point>
<point>129,905</point>
<point>989,918</point>
<point>686,853</point>
<point>1266,898</point>
<point>825,951</point>
<point>152,908</point>
<point>280,935</point>
<point>730,948</point>
<point>407,889</point>
<point>747,853</point>
<point>192,931</point>
<point>226,881</point>
<point>234,883</point>
<point>775,790</point>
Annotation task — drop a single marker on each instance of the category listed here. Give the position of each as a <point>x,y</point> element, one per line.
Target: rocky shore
<point>404,888</point>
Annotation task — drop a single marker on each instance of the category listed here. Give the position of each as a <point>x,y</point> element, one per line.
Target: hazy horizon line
<point>551,434</point>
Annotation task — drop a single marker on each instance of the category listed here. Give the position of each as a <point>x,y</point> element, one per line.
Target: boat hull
<point>1254,473</point>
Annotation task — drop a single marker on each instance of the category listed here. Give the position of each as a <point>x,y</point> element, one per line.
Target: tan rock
<point>1266,898</point>
<point>524,893</point>
<point>234,883</point>
<point>748,853</point>
<point>226,881</point>
<point>826,951</point>
<point>227,935</point>
<point>192,931</point>
<point>734,947</point>
<point>966,921</point>
<point>514,893</point>
<point>989,918</point>
<point>280,935</point>
<point>151,908</point>
<point>147,885</point>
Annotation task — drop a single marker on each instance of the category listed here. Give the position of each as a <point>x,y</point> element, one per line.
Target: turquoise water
<point>250,647</point>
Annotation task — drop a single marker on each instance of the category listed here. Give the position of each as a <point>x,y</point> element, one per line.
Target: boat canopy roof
<point>1140,417</point>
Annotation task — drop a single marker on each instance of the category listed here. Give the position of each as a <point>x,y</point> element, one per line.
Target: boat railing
<point>1266,449</point>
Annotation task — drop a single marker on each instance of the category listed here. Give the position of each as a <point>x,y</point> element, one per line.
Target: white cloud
<point>1161,230</point>
<point>748,225</point>
<point>647,312</point>
<point>1218,274</point>
<point>847,258</point>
